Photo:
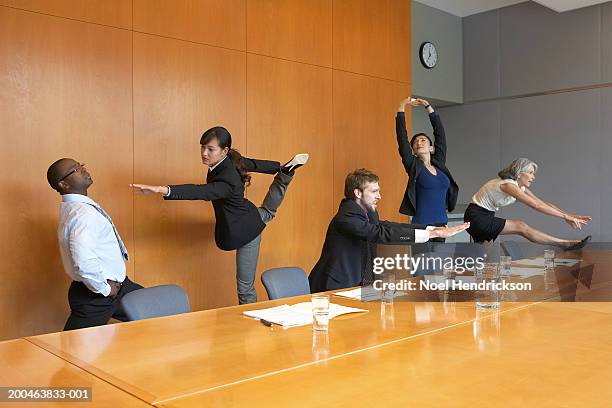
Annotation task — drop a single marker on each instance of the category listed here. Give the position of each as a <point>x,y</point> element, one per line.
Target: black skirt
<point>484,225</point>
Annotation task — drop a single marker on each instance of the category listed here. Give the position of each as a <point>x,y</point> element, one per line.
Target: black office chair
<point>156,301</point>
<point>470,249</point>
<point>431,263</point>
<point>285,282</point>
<point>512,249</point>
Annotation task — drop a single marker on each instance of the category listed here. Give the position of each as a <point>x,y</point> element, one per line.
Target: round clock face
<point>428,55</point>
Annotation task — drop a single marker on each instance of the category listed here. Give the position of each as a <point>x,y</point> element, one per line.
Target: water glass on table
<point>320,312</point>
<point>388,292</point>
<point>486,330</point>
<point>320,344</point>
<point>505,265</point>
<point>549,258</point>
<point>487,297</point>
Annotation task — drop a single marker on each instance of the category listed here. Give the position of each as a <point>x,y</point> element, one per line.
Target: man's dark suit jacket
<point>350,246</point>
<point>238,221</point>
<point>414,166</point>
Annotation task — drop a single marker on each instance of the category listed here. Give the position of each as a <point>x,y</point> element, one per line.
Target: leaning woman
<point>513,184</point>
<point>239,223</point>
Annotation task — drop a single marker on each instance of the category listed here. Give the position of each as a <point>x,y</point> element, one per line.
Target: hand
<point>576,222</point>
<point>408,101</point>
<point>421,102</point>
<point>582,217</point>
<point>146,189</point>
<point>447,232</point>
<point>115,287</point>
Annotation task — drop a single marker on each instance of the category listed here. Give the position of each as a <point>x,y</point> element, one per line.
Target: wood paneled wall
<point>128,86</point>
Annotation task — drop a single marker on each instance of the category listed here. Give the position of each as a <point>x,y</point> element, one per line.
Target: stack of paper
<point>526,272</point>
<point>366,294</point>
<point>299,314</point>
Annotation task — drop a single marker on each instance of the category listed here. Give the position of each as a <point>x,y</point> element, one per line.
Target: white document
<point>540,262</point>
<point>299,314</point>
<point>526,272</point>
<point>366,293</point>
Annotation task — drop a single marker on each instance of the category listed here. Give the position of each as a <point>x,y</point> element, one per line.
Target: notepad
<point>299,314</point>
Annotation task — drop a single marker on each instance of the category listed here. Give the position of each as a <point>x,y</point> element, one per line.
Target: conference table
<point>544,355</point>
<point>23,364</point>
<point>549,346</point>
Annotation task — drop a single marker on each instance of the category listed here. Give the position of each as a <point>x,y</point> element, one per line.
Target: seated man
<point>352,235</point>
<point>92,250</point>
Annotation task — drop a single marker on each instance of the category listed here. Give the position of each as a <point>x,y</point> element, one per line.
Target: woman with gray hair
<point>512,184</point>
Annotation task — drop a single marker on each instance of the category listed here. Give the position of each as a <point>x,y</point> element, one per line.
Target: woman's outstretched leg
<point>518,227</point>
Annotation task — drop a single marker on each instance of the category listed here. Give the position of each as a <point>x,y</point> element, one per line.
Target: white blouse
<point>491,197</point>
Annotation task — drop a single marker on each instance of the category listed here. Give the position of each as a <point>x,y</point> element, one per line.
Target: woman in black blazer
<point>431,189</point>
<point>239,222</point>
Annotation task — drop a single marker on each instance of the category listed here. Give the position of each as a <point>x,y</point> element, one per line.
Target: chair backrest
<point>442,252</point>
<point>428,266</point>
<point>521,250</point>
<point>156,301</point>
<point>285,282</point>
<point>470,249</point>
<point>446,247</point>
<point>513,249</point>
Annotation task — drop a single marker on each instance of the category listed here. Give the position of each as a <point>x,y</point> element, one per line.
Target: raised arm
<point>261,166</point>
<point>403,144</point>
<point>438,130</point>
<point>528,198</point>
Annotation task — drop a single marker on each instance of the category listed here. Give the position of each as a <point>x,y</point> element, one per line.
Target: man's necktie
<point>124,251</point>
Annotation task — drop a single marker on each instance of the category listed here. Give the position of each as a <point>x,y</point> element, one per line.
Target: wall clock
<point>428,55</point>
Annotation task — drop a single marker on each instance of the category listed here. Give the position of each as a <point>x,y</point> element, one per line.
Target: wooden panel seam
<point>65,18</point>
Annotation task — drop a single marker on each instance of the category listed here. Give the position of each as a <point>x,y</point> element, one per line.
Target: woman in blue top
<point>431,189</point>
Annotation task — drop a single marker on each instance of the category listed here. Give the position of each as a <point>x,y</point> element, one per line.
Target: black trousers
<point>90,309</point>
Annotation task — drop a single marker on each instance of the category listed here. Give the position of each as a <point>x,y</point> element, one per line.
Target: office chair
<point>520,250</point>
<point>430,267</point>
<point>285,282</point>
<point>156,301</point>
<point>513,249</point>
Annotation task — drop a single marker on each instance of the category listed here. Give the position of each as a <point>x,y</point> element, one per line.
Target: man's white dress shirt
<point>88,245</point>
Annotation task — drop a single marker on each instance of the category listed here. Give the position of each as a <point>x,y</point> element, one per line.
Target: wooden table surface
<point>163,358</point>
<point>23,364</point>
<point>187,359</point>
<point>541,355</point>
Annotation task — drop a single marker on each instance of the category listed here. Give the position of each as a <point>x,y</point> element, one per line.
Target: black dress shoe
<point>579,245</point>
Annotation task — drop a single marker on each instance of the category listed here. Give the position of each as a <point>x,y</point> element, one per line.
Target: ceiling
<point>566,5</point>
<point>463,8</point>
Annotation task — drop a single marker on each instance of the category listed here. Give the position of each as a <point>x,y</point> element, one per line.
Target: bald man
<point>92,251</point>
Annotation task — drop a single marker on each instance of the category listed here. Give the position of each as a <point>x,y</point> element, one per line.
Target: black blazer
<point>238,221</point>
<point>413,165</point>
<point>350,246</point>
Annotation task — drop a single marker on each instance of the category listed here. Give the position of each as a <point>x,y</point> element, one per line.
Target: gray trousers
<point>247,255</point>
